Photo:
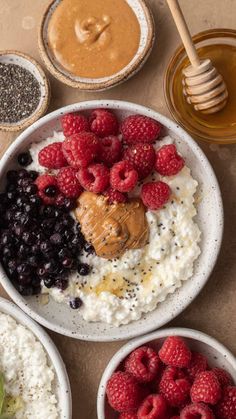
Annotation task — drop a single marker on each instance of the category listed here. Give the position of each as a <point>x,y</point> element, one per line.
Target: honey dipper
<point>203,86</point>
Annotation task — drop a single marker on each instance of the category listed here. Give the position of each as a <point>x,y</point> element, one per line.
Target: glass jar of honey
<point>220,46</point>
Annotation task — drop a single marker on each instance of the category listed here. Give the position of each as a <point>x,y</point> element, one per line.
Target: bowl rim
<point>107,83</point>
<point>127,348</point>
<point>7,307</point>
<point>129,106</point>
<point>46,99</point>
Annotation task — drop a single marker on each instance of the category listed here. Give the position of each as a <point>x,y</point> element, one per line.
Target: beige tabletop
<point>214,311</point>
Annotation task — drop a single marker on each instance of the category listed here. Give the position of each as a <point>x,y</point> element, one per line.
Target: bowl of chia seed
<point>24,91</point>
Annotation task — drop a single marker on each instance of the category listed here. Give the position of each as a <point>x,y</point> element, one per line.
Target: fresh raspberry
<point>174,352</point>
<point>128,415</point>
<point>223,376</point>
<point>94,178</point>
<point>198,364</point>
<point>155,194</point>
<point>123,392</point>
<point>175,417</point>
<point>74,123</point>
<point>168,161</point>
<point>140,129</point>
<point>143,363</point>
<point>123,176</point>
<point>142,156</point>
<point>110,150</point>
<point>175,386</point>
<point>153,407</point>
<point>226,408</point>
<point>197,411</point>
<point>68,182</point>
<point>115,196</point>
<point>43,182</point>
<point>103,123</point>
<point>206,388</point>
<point>52,156</point>
<point>80,149</point>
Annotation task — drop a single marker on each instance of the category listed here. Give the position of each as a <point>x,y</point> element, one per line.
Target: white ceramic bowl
<point>147,37</point>
<point>59,317</point>
<point>61,383</point>
<point>216,353</point>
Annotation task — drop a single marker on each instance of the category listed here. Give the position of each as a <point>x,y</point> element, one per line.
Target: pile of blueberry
<point>38,242</point>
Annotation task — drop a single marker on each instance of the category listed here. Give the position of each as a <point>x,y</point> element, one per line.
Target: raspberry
<point>115,196</point>
<point>198,364</point>
<point>74,123</point>
<point>143,364</point>
<point>128,415</point>
<point>155,194</point>
<point>68,182</point>
<point>142,156</point>
<point>153,407</point>
<point>174,352</point>
<point>226,408</point>
<point>43,182</point>
<point>123,176</point>
<point>223,376</point>
<point>206,388</point>
<point>123,392</point>
<point>52,156</point>
<point>103,123</point>
<point>140,129</point>
<point>197,411</point>
<point>94,178</point>
<point>168,161</point>
<point>80,149</point>
<point>110,150</point>
<point>174,386</point>
<point>175,417</point>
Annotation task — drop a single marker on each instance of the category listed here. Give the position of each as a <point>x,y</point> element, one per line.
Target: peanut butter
<point>93,38</point>
<point>112,229</point>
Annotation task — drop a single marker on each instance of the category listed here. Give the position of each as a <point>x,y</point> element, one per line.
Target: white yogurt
<point>26,371</point>
<point>120,290</point>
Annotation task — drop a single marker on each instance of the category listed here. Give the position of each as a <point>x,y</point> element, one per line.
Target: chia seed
<point>19,93</point>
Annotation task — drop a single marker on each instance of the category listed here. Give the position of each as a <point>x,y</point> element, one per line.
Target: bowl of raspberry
<point>111,220</point>
<point>170,374</point>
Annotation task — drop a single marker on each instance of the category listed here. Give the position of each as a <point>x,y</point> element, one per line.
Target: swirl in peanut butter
<point>112,229</point>
<point>93,38</point>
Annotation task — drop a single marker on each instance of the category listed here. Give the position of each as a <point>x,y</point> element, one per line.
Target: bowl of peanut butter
<point>95,45</point>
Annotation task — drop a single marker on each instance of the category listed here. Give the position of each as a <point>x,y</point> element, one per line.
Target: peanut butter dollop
<point>112,229</point>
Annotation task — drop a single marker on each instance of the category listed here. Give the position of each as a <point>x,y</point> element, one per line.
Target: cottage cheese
<point>118,291</point>
<point>27,374</point>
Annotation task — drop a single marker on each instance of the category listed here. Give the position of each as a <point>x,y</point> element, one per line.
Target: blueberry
<point>35,200</point>
<point>63,253</point>
<point>67,262</point>
<point>11,195</point>
<point>8,251</point>
<point>66,204</point>
<point>24,159</point>
<point>45,247</point>
<point>83,269</point>
<point>50,267</point>
<point>23,251</point>
<point>22,174</point>
<point>51,191</point>
<point>76,303</point>
<point>6,237</point>
<point>30,189</point>
<point>12,176</point>
<point>33,174</point>
<point>23,269</point>
<point>41,271</point>
<point>62,284</point>
<point>56,238</point>
<point>33,261</point>
<point>48,225</point>
<point>28,237</point>
<point>10,187</point>
<point>49,282</point>
<point>24,279</point>
<point>88,248</point>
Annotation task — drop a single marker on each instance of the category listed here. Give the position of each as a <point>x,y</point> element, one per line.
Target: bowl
<point>147,38</point>
<point>216,353</point>
<point>61,382</point>
<point>27,62</point>
<point>61,318</point>
<point>220,127</point>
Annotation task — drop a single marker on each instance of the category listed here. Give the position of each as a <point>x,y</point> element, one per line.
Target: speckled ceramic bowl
<point>59,317</point>
<point>147,37</point>
<point>27,62</point>
<point>61,382</point>
<point>216,353</point>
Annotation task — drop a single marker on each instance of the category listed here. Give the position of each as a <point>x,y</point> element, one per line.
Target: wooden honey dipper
<point>203,86</point>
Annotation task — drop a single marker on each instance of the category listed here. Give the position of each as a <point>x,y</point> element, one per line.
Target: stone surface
<point>214,311</point>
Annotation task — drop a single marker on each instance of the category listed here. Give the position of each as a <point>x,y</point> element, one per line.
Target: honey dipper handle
<point>185,35</point>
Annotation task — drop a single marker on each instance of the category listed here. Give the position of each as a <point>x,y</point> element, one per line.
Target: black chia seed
<point>19,93</point>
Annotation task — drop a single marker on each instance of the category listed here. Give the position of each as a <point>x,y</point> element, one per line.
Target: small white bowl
<point>27,62</point>
<point>59,317</point>
<point>216,353</point>
<point>147,37</point>
<point>61,385</point>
